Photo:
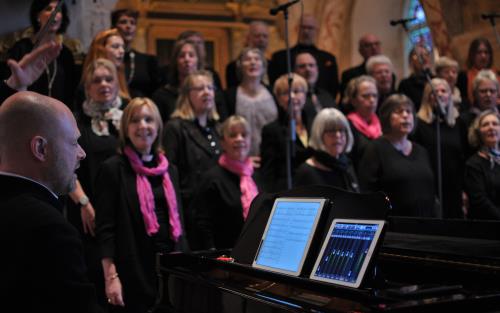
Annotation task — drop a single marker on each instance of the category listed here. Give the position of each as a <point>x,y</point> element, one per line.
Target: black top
<point>42,265</point>
<point>453,143</point>
<point>328,77</point>
<point>482,184</point>
<point>349,74</point>
<point>65,81</point>
<point>325,100</point>
<point>361,141</point>
<point>165,99</point>
<point>217,208</point>
<point>407,180</point>
<point>97,149</point>
<point>193,149</point>
<point>413,87</point>
<point>121,232</point>
<point>146,76</point>
<point>341,175</point>
<point>273,170</point>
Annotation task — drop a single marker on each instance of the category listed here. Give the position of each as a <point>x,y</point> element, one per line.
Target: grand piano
<point>423,265</point>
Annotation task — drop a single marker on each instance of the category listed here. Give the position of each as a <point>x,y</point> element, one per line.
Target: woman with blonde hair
<point>191,139</point>
<point>223,199</point>
<point>275,134</point>
<point>109,44</point>
<point>139,212</point>
<point>453,145</point>
<point>482,170</point>
<point>361,95</point>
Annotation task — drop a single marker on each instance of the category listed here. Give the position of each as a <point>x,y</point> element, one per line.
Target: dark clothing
<point>453,145</point>
<point>361,141</point>
<point>121,232</point>
<point>65,81</point>
<point>42,266</point>
<point>323,100</point>
<point>349,74</point>
<point>5,91</point>
<point>340,175</point>
<point>232,79</point>
<point>328,76</point>
<point>482,184</point>
<point>413,88</point>
<point>165,99</point>
<point>273,170</point>
<point>193,149</point>
<point>217,209</point>
<point>146,76</point>
<point>407,180</point>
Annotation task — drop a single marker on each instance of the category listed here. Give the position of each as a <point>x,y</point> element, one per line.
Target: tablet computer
<point>288,234</point>
<point>347,251</point>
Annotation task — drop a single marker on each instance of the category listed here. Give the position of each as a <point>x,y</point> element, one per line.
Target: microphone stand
<point>491,18</point>
<point>438,113</point>
<point>291,137</point>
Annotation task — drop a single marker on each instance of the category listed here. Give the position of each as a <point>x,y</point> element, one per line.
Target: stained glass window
<point>419,32</point>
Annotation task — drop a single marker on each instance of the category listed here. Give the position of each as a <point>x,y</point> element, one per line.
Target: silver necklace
<point>51,78</point>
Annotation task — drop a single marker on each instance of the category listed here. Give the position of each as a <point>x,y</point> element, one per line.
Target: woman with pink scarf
<point>223,199</point>
<point>362,95</point>
<point>138,213</point>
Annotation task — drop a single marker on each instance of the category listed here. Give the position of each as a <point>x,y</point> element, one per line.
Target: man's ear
<point>38,146</point>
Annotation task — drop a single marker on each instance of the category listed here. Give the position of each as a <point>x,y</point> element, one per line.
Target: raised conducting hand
<point>32,65</point>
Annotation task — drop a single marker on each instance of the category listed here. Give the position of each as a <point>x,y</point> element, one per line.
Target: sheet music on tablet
<point>288,235</point>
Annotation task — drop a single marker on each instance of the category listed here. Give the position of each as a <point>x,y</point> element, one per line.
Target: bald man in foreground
<point>42,267</point>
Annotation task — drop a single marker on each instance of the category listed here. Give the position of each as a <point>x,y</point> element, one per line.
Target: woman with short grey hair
<point>331,138</point>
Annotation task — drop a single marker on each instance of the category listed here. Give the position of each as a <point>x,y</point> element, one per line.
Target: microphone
<point>490,16</point>
<point>282,7</point>
<point>402,21</point>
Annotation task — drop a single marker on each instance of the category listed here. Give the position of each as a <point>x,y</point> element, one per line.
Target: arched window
<point>418,30</point>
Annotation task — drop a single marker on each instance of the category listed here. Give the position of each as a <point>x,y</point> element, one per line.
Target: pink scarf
<point>372,130</point>
<point>247,185</point>
<point>145,194</point>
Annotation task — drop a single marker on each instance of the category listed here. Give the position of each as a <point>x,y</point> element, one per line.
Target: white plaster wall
<point>372,16</point>
<point>88,18</point>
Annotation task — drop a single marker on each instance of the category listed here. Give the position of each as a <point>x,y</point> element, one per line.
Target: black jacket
<point>42,265</point>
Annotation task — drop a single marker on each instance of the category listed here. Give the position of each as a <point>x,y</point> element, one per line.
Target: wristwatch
<point>84,200</point>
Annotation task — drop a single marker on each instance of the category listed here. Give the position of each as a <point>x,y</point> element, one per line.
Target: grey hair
<point>326,120</point>
<point>482,76</point>
<point>377,59</point>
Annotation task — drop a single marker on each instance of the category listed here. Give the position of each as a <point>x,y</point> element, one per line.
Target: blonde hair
<point>88,74</point>
<point>184,108</point>
<point>474,135</point>
<point>233,120</point>
<point>426,111</point>
<point>352,89</point>
<point>128,112</point>
<point>281,84</point>
<point>97,50</point>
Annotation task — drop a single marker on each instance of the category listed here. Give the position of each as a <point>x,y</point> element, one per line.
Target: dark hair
<point>474,46</point>
<point>38,6</point>
<point>188,33</point>
<point>390,105</point>
<point>116,14</point>
<point>173,72</point>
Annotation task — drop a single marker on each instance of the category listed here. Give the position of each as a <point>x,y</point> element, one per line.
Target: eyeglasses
<point>202,88</point>
<point>332,132</point>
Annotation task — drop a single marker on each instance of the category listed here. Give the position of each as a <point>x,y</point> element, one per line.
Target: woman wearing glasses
<point>191,140</point>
